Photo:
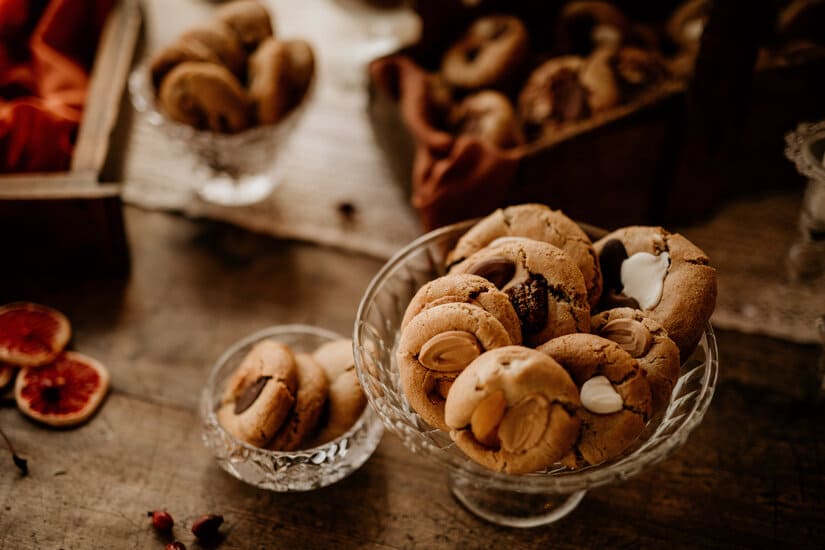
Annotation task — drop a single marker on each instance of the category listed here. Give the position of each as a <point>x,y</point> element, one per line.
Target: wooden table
<point>751,474</point>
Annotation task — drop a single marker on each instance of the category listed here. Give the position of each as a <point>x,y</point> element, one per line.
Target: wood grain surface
<point>751,475</point>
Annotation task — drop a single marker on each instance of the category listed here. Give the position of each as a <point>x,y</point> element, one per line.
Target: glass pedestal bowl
<point>227,169</point>
<point>284,471</point>
<point>513,500</point>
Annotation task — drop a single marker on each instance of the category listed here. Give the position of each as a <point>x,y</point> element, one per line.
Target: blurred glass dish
<point>513,500</point>
<point>230,169</point>
<point>284,471</point>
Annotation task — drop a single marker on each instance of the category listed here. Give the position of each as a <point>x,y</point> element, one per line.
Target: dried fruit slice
<point>63,393</point>
<point>32,334</point>
<point>6,374</point>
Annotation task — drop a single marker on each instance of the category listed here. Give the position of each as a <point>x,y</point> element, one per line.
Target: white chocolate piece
<point>643,277</point>
<point>599,397</point>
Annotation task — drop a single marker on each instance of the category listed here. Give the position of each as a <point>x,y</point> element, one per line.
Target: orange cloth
<point>47,49</point>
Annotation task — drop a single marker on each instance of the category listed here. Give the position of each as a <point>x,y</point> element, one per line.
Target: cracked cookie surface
<point>604,435</point>
<point>646,341</point>
<point>538,222</point>
<point>260,393</point>
<point>546,288</point>
<point>436,346</point>
<point>688,293</point>
<point>470,289</point>
<point>513,409</point>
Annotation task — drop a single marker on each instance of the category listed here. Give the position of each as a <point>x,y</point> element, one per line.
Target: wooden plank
<point>106,84</point>
<point>750,475</point>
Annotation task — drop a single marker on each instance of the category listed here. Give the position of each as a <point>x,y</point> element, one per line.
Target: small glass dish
<point>229,169</point>
<point>301,470</point>
<point>513,500</point>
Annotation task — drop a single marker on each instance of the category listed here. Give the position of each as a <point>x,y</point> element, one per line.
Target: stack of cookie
<point>285,401</point>
<point>539,346</point>
<point>231,73</point>
<point>596,59</point>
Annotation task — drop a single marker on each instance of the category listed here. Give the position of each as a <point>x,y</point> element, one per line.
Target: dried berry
<point>207,526</point>
<point>161,520</point>
<point>177,545</point>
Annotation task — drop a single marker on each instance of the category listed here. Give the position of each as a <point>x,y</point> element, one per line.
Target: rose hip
<point>207,526</point>
<point>161,520</point>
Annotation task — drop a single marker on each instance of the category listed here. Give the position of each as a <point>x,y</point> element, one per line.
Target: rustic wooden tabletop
<point>750,475</point>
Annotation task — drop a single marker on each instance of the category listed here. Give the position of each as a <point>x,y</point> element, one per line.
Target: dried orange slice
<point>32,334</point>
<point>65,392</point>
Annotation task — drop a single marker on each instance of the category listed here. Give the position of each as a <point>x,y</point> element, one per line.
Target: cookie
<point>553,96</point>
<point>313,388</point>
<point>205,96</point>
<point>260,393</point>
<point>538,222</point>
<point>470,289</point>
<point>489,116</point>
<point>279,75</point>
<point>218,38</point>
<point>663,274</point>
<point>176,53</point>
<point>513,409</point>
<point>346,397</point>
<point>686,24</point>
<point>616,76</point>
<point>647,342</point>
<point>435,347</point>
<point>545,287</point>
<point>586,25</point>
<point>248,19</point>
<point>614,393</point>
<point>489,52</point>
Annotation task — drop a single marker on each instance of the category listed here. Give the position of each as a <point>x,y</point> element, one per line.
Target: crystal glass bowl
<point>301,470</point>
<point>228,169</point>
<point>513,500</point>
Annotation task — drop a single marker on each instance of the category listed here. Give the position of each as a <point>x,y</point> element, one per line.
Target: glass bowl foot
<point>512,508</point>
<point>227,191</point>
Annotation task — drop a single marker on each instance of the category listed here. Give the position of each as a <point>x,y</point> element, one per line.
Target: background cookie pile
<point>284,401</point>
<point>598,59</point>
<point>231,73</point>
<point>540,347</point>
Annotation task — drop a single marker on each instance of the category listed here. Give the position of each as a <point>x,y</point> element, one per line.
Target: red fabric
<point>448,169</point>
<point>46,53</point>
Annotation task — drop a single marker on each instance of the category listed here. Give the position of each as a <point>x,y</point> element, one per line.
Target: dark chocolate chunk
<point>570,96</point>
<point>529,299</point>
<point>611,258</point>
<point>250,394</point>
<point>612,299</point>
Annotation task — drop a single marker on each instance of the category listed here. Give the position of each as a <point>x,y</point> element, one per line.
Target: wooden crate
<point>68,222</point>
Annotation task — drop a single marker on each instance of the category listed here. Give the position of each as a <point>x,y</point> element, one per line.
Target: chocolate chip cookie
<point>248,19</point>
<point>647,342</point>
<point>435,347</point>
<point>260,393</point>
<point>346,397</point>
<point>541,223</point>
<point>488,53</point>
<point>614,393</point>
<point>310,399</point>
<point>513,409</point>
<point>470,289</point>
<point>553,96</point>
<point>489,116</point>
<point>663,274</point>
<point>545,287</point>
<point>205,96</point>
<point>217,37</point>
<point>280,73</point>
